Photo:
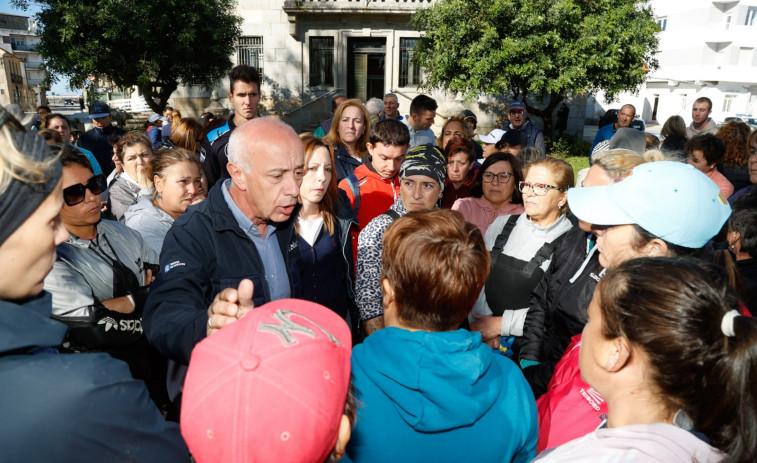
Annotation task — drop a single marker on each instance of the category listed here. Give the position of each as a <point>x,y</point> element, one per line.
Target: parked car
<point>741,118</point>
<point>68,101</point>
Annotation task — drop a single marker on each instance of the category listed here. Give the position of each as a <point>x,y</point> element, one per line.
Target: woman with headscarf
<point>421,184</point>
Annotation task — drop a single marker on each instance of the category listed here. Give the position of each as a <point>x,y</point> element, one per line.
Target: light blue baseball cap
<point>671,200</point>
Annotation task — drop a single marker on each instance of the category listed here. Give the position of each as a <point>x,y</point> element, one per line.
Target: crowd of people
<point>230,290</point>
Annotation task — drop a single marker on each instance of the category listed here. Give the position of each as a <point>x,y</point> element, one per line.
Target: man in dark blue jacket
<point>243,231</point>
<point>96,138</point>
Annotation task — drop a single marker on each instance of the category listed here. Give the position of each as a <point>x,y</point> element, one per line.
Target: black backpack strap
<point>544,253</point>
<point>502,238</point>
<point>393,214</point>
<point>354,184</point>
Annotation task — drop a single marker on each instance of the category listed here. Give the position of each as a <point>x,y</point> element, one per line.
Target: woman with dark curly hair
<point>734,164</point>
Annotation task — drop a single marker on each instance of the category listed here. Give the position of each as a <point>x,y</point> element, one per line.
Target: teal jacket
<point>439,397</point>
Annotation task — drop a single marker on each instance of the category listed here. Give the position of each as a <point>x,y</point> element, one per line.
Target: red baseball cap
<point>270,387</point>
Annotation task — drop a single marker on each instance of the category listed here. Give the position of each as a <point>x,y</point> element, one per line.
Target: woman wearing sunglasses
<point>78,406</point>
<point>100,278</point>
<point>521,249</point>
<point>134,152</point>
<point>493,193</point>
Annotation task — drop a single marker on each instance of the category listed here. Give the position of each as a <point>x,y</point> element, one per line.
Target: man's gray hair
<point>396,100</point>
<point>238,148</point>
<point>374,106</point>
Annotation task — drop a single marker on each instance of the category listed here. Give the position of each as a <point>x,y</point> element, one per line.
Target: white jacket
<point>658,442</point>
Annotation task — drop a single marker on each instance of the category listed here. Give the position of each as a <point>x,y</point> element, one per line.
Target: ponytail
<point>727,413</point>
<point>699,359</point>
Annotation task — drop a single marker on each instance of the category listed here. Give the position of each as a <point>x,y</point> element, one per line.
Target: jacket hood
<point>437,381</point>
<point>145,207</point>
<point>710,125</point>
<point>367,170</point>
<point>28,325</point>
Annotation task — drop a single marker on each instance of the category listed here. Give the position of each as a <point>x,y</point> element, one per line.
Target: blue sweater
<point>605,133</point>
<point>439,396</point>
<point>72,407</point>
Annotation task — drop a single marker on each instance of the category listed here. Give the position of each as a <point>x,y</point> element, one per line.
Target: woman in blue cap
<point>660,209</point>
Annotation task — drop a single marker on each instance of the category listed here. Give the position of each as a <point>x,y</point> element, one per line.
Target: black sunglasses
<point>75,194</point>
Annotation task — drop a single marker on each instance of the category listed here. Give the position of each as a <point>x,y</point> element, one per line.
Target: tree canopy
<point>144,43</point>
<point>543,48</point>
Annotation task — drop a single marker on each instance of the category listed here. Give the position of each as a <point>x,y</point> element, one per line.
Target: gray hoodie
<point>151,222</point>
<point>709,127</point>
<point>80,277</point>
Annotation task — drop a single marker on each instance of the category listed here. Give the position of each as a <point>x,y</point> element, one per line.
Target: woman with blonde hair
<point>177,178</point>
<point>348,136</point>
<point>186,133</point>
<point>323,233</point>
<point>557,307</point>
<point>454,127</point>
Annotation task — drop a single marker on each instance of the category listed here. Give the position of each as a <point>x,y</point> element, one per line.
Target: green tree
<point>544,48</point>
<point>153,45</point>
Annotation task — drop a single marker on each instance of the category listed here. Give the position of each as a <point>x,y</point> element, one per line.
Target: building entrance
<point>366,64</point>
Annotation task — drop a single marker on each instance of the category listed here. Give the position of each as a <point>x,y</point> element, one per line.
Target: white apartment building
<point>707,48</point>
<point>19,36</point>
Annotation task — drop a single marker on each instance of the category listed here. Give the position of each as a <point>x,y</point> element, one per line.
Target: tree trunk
<point>546,113</point>
<point>157,101</point>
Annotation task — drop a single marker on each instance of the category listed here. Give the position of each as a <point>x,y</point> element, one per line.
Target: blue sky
<point>6,7</point>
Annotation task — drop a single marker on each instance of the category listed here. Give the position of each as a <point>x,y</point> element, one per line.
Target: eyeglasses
<point>75,194</point>
<point>539,189</point>
<point>515,111</point>
<point>502,177</point>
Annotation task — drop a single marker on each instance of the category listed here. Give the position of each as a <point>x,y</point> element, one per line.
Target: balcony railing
<point>325,6</point>
<point>23,47</point>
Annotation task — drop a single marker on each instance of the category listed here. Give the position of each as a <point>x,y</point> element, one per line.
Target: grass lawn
<point>578,162</point>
